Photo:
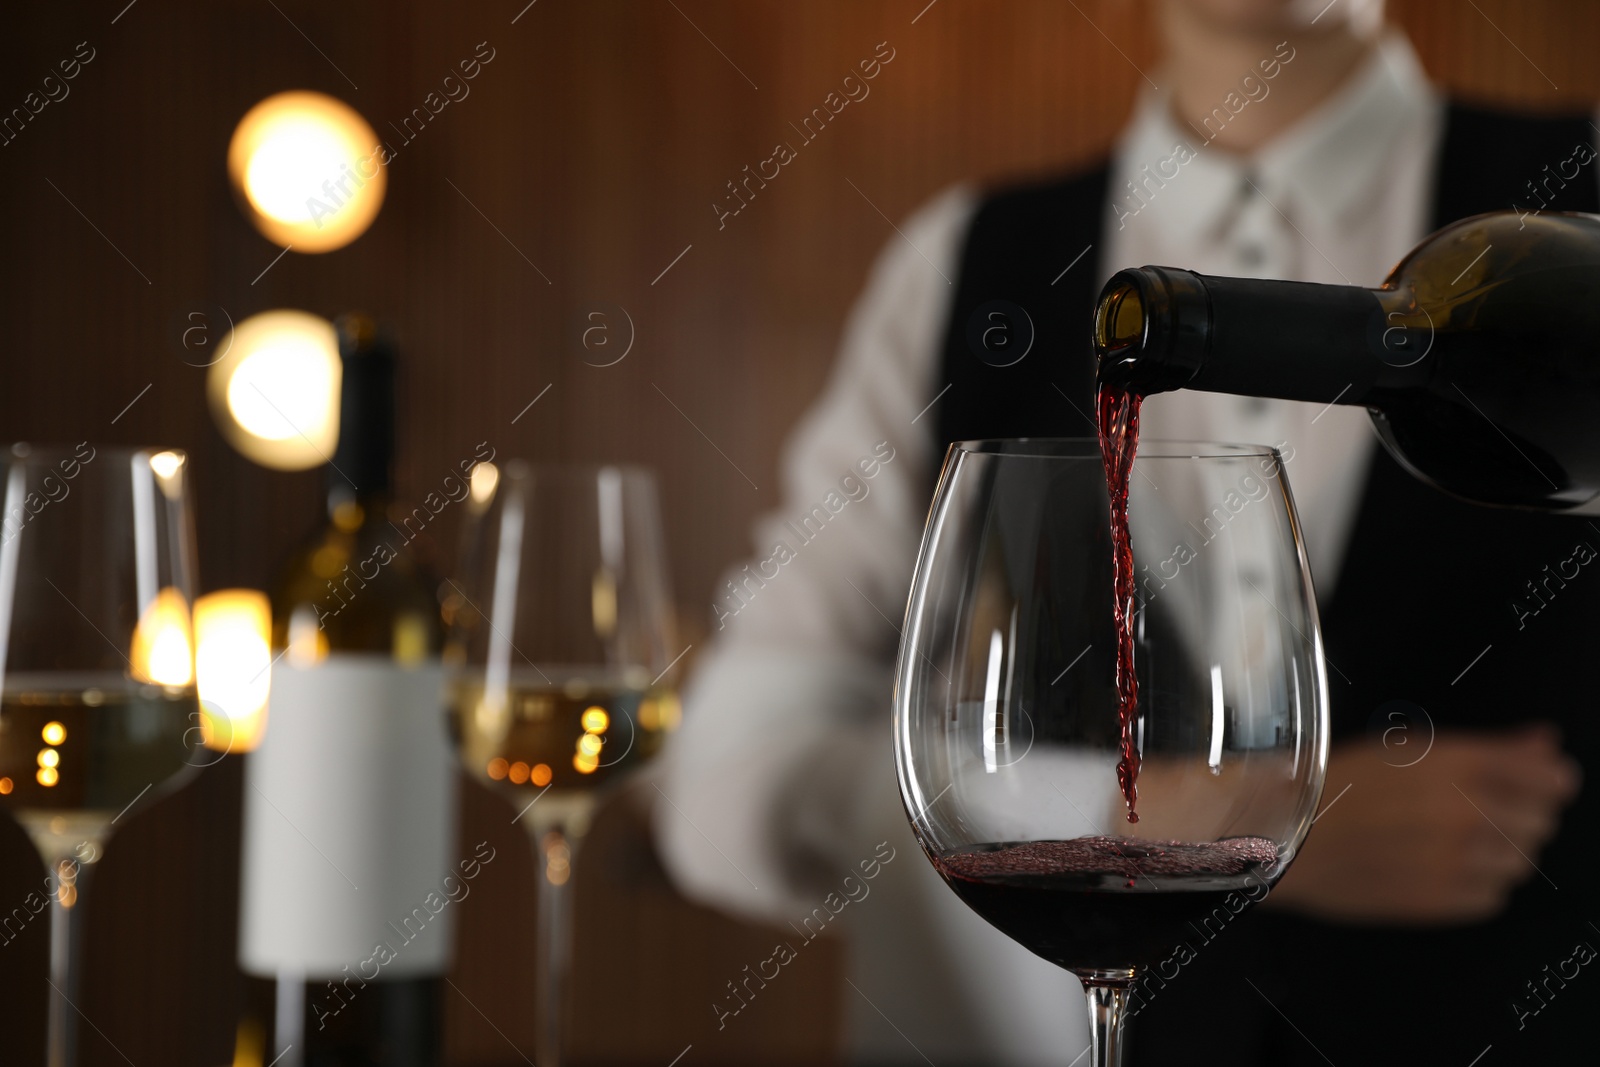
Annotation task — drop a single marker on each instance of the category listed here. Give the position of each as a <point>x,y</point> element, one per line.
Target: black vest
<point>1433,619</point>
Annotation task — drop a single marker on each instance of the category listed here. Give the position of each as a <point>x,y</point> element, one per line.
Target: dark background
<point>593,145</point>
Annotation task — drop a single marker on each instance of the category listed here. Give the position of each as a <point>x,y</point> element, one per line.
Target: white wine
<point>560,630</point>
<point>567,732</point>
<point>77,749</point>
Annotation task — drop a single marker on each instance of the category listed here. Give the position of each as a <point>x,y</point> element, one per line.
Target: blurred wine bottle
<point>1479,357</point>
<point>349,802</point>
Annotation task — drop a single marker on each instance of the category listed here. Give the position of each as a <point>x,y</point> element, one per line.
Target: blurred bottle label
<point>349,821</point>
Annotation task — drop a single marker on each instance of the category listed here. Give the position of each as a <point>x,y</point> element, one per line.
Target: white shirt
<point>781,781</point>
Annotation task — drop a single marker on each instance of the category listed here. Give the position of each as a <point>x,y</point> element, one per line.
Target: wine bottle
<point>349,802</point>
<point>1478,358</point>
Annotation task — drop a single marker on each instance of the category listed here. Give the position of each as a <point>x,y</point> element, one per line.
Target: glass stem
<point>66,956</point>
<point>1108,1004</point>
<point>555,844</point>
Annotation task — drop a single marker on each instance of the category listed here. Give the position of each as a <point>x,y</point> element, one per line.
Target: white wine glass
<point>1006,714</point>
<point>561,625</point>
<point>97,685</point>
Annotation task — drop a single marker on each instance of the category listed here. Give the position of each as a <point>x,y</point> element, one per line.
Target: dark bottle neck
<point>362,468</point>
<point>1160,328</point>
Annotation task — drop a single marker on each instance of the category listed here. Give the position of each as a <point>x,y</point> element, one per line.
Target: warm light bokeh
<point>308,169</point>
<point>163,651</point>
<point>485,476</point>
<point>275,391</point>
<point>233,661</point>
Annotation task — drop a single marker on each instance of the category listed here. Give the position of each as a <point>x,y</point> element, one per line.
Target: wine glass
<point>561,619</point>
<point>97,697</point>
<point>1006,724</point>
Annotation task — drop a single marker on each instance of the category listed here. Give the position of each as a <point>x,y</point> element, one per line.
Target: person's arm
<point>783,761</point>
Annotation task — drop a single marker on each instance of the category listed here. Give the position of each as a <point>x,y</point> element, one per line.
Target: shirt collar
<point>1323,168</point>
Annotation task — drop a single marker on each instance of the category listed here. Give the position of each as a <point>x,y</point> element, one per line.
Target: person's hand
<point>1444,840</point>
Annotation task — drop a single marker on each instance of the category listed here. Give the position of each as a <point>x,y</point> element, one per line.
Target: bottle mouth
<point>1119,320</point>
<point>1151,329</point>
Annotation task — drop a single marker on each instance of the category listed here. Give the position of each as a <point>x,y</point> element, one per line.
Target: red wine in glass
<point>1105,903</point>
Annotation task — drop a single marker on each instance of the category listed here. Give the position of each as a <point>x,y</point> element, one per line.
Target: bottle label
<point>349,818</point>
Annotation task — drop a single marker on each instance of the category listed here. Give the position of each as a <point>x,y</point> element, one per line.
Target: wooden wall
<point>585,161</point>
